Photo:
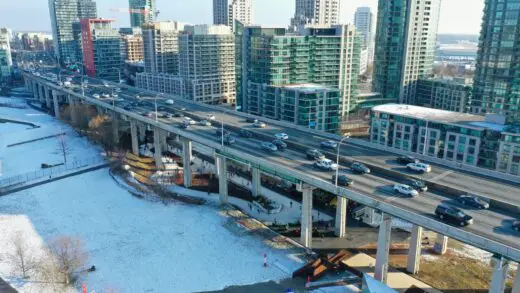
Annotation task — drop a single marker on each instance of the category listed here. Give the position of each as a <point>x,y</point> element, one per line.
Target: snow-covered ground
<point>25,158</point>
<point>136,245</point>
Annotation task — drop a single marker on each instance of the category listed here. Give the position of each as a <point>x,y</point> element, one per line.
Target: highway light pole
<point>222,128</point>
<point>155,103</point>
<point>337,158</point>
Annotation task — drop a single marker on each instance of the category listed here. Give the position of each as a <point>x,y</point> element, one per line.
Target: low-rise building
<point>453,94</point>
<point>310,105</point>
<point>481,141</point>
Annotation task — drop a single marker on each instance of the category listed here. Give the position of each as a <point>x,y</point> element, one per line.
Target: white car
<point>326,164</point>
<point>205,123</point>
<point>259,124</point>
<point>282,136</point>
<point>96,96</point>
<point>406,190</point>
<point>169,102</point>
<point>106,96</point>
<point>419,167</point>
<point>114,95</point>
<point>189,121</point>
<point>211,117</point>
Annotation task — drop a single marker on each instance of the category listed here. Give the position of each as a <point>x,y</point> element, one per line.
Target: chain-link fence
<point>49,172</point>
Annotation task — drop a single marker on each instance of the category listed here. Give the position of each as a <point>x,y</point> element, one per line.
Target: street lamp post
<point>222,128</point>
<point>337,159</point>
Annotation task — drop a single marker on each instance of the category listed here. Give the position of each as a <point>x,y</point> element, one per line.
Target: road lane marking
<point>440,176</point>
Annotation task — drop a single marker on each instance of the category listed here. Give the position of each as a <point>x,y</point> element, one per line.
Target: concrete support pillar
<point>383,249</point>
<point>222,179</point>
<point>115,128</point>
<point>255,182</point>
<point>134,138</point>
<point>340,228</point>
<point>36,95</point>
<point>56,104</point>
<point>47,98</point>
<point>516,284</point>
<point>414,250</point>
<point>142,132</point>
<point>306,223</point>
<point>186,161</point>
<point>157,147</point>
<point>441,244</point>
<point>73,110</point>
<point>499,274</point>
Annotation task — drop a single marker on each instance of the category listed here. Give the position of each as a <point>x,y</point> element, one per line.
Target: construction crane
<point>137,11</point>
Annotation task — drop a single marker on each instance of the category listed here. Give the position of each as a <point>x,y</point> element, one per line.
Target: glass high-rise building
<point>316,12</point>
<point>226,12</point>
<point>141,12</point>
<point>364,22</point>
<point>497,77</point>
<point>63,14</point>
<point>405,47</point>
<point>327,56</point>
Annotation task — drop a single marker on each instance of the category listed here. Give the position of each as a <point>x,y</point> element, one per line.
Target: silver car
<point>269,147</point>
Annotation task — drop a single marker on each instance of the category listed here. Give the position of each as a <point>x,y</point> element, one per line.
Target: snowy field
<point>136,245</point>
<point>25,158</point>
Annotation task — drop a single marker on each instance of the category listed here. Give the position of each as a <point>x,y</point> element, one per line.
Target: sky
<point>457,16</point>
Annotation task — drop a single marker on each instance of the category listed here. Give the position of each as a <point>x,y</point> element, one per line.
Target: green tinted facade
<point>497,78</point>
<point>308,105</point>
<point>324,56</point>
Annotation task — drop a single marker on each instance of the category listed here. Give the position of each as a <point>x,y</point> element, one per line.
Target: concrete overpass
<point>372,191</point>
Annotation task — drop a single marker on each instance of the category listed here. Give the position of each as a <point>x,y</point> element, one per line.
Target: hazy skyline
<point>33,15</point>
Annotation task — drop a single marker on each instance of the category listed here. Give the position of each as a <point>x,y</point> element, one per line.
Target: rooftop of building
<point>490,121</point>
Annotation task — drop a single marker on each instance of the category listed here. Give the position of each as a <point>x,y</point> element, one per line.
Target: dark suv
<point>516,226</point>
<point>279,144</point>
<point>453,215</point>
<point>314,154</point>
<point>359,168</point>
<point>416,184</point>
<point>245,133</point>
<point>343,180</point>
<point>405,160</point>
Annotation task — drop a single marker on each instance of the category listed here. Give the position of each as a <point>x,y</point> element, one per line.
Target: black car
<point>416,184</point>
<point>516,226</point>
<point>405,160</point>
<point>127,107</point>
<point>245,133</point>
<point>473,201</point>
<point>279,144</point>
<point>229,140</point>
<point>343,180</point>
<point>359,168</point>
<point>184,125</point>
<point>219,132</point>
<point>177,114</point>
<point>142,103</point>
<point>314,154</point>
<point>161,108</point>
<point>134,104</point>
<point>250,120</point>
<point>453,215</point>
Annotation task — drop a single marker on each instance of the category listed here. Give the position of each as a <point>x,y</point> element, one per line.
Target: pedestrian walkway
<point>51,178</point>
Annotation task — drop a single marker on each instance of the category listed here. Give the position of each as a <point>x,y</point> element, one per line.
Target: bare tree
<point>21,259</point>
<point>69,257</point>
<point>63,147</point>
